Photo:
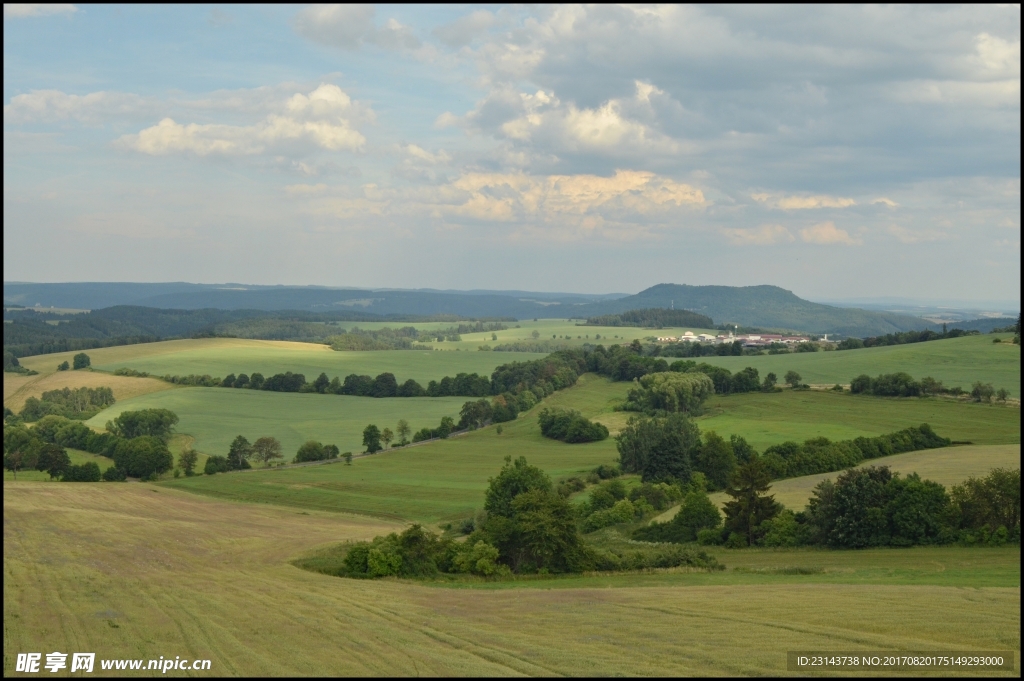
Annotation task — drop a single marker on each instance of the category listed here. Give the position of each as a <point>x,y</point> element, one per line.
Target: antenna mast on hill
<point>672,304</point>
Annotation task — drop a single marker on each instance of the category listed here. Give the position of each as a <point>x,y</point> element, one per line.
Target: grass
<point>223,356</point>
<point>214,416</point>
<point>77,457</point>
<point>955,361</point>
<point>125,387</point>
<point>141,571</point>
<point>948,466</point>
<point>445,480</point>
<point>767,419</point>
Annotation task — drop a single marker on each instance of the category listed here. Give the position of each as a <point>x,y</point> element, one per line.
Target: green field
<point>223,356</point>
<point>445,480</point>
<point>214,416</point>
<point>955,361</point>
<point>141,571</point>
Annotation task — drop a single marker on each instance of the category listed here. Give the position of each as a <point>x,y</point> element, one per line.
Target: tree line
<point>653,318</point>
<point>902,384</point>
<point>862,508</point>
<point>903,337</point>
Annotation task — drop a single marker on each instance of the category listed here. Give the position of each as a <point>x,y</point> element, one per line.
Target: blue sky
<point>840,152</point>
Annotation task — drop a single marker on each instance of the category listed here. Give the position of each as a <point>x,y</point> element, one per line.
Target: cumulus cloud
<point>350,26</point>
<point>22,10</point>
<point>826,233</point>
<point>803,202</point>
<point>320,119</point>
<point>885,202</point>
<point>627,205</point>
<point>764,235</point>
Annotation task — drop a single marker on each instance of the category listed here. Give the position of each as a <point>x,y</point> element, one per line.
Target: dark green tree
<point>793,379</point>
<point>239,452</point>
<point>321,383</point>
<point>187,461</point>
<point>371,439</point>
<point>750,506</point>
<point>81,360</point>
<point>715,459</point>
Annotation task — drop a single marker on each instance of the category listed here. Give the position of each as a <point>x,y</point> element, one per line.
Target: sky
<point>839,152</point>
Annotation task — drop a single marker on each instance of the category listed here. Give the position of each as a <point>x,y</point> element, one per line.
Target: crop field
<point>214,416</point>
<point>142,571</point>
<point>220,357</point>
<point>954,361</point>
<point>18,388</point>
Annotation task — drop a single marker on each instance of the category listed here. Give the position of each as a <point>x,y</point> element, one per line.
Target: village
<point>760,340</point>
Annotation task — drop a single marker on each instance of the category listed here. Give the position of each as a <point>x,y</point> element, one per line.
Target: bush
<point>622,512</point>
<point>143,457</point>
<point>217,464</point>
<point>114,474</point>
<point>86,472</point>
<point>696,514</point>
<point>570,426</point>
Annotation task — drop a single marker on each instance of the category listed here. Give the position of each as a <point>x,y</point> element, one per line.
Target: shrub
<point>622,512</point>
<point>696,514</point>
<point>216,464</point>
<point>86,472</point>
<point>114,474</point>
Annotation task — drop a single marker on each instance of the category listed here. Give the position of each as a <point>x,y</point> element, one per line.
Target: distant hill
<point>183,296</point>
<point>768,307</point>
<point>761,306</point>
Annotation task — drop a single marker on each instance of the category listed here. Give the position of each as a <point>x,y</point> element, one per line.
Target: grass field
<point>77,458</point>
<point>955,361</point>
<point>948,466</point>
<point>143,572</point>
<point>222,356</point>
<point>445,480</point>
<point>214,416</point>
<point>18,388</point>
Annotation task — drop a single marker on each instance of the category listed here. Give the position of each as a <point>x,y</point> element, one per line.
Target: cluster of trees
<point>570,426</point>
<point>526,527</point>
<point>671,449</point>
<point>80,403</point>
<point>902,384</point>
<point>653,318</point>
<point>609,504</point>
<point>863,507</point>
<point>670,392</point>
<point>820,455</point>
<point>135,440</point>
<point>903,337</point>
<point>403,338</point>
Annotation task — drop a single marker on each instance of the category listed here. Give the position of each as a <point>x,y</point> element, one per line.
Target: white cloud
<point>827,233</point>
<point>803,202</point>
<point>41,106</point>
<point>628,205</point>
<point>320,119</point>
<point>349,26</point>
<point>23,10</point>
<point>762,235</point>
<point>885,202</point>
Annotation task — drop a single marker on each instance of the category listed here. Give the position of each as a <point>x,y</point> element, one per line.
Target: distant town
<point>749,340</point>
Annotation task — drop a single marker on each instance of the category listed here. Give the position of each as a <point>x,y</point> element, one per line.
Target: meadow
<point>444,480</point>
<point>214,416</point>
<point>142,571</point>
<point>954,361</point>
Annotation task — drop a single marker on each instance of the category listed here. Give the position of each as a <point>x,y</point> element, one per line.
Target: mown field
<point>955,361</point>
<point>142,571</point>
